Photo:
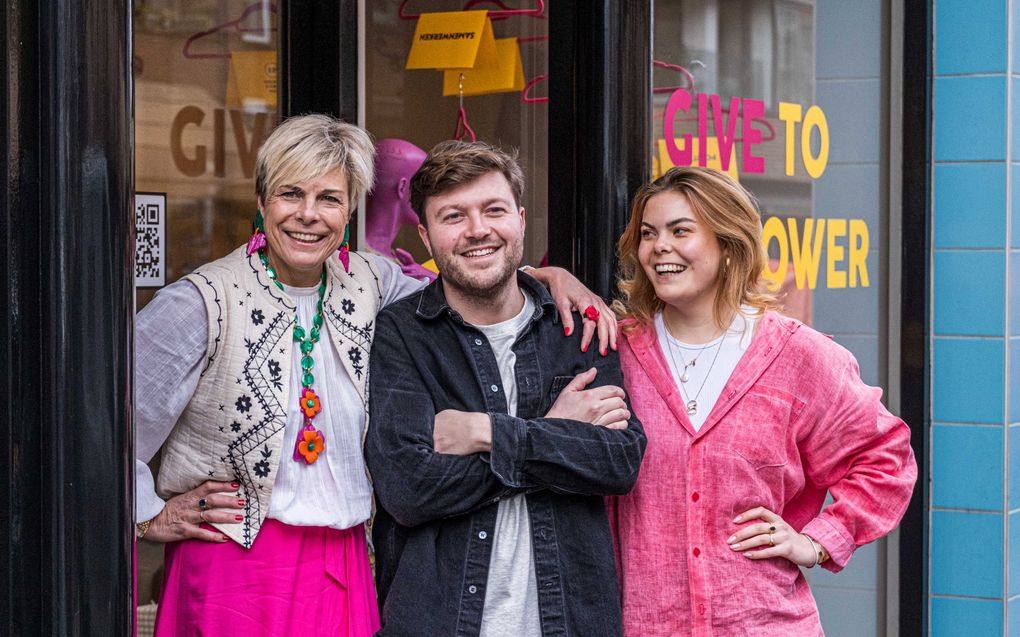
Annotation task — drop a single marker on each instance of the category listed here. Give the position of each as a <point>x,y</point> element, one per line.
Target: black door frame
<point>67,236</point>
<point>915,285</point>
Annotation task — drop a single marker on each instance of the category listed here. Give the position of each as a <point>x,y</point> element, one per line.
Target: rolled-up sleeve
<point>862,454</point>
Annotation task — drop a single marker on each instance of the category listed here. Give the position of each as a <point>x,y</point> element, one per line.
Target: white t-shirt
<point>701,371</point>
<point>511,593</point>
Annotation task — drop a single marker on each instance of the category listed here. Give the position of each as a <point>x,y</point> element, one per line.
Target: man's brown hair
<point>454,163</point>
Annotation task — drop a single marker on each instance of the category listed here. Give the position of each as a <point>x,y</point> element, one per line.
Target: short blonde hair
<point>726,209</point>
<point>309,146</point>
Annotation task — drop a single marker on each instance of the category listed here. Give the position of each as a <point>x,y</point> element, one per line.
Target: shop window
<point>410,104</point>
<point>802,85</point>
<point>205,100</point>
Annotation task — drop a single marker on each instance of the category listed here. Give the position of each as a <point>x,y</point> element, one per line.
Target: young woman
<point>751,418</point>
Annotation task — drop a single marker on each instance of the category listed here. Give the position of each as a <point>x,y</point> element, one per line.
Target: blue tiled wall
<point>975,436</point>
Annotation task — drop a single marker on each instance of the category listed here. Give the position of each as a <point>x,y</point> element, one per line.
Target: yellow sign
<point>251,80</point>
<point>508,76</point>
<point>453,40</point>
<point>713,161</point>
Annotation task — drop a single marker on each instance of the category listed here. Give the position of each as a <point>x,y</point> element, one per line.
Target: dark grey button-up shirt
<point>433,529</point>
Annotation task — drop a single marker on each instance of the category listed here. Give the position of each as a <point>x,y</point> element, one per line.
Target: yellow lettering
<point>773,229</point>
<point>858,253</point>
<point>806,252</point>
<point>790,114</point>
<point>834,254</point>
<point>814,164</point>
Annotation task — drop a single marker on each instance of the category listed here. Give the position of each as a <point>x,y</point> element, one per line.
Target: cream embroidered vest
<point>232,430</point>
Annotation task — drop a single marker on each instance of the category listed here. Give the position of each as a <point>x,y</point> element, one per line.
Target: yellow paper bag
<point>251,79</point>
<point>508,76</point>
<point>713,161</point>
<point>453,40</point>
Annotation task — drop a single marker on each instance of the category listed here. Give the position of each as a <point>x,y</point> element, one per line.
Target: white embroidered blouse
<point>171,335</point>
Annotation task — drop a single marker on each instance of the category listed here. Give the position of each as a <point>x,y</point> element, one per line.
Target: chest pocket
<point>558,383</point>
<point>760,424</point>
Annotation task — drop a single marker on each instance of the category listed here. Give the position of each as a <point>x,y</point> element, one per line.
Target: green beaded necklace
<point>310,442</point>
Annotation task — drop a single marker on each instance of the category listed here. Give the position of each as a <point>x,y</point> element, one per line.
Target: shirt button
<point>696,551</point>
<point>478,341</point>
<point>494,388</point>
<point>472,589</point>
<point>701,609</point>
<point>695,496</point>
<point>482,535</point>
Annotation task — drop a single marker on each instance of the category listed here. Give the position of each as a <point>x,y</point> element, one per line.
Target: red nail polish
<point>238,517</point>
<point>584,349</point>
<point>240,503</point>
<point>566,331</point>
<point>235,485</point>
<point>603,352</point>
<point>223,538</point>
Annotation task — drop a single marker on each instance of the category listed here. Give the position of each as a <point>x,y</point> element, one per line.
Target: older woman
<point>751,418</point>
<point>251,374</point>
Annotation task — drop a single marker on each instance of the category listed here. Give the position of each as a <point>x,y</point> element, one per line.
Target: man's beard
<point>467,284</point>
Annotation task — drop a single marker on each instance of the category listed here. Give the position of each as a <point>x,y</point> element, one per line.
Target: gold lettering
<point>835,279</point>
<point>858,253</point>
<point>773,229</point>
<point>806,253</point>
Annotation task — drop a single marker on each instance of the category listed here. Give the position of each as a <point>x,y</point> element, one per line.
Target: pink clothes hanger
<point>528,99</point>
<point>236,24</point>
<point>771,131</point>
<point>679,69</point>
<point>526,93</point>
<point>463,128</point>
<point>503,13</point>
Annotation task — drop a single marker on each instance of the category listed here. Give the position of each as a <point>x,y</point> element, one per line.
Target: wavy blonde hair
<point>726,209</point>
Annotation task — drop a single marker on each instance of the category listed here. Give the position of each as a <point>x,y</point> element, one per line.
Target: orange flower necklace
<point>310,441</point>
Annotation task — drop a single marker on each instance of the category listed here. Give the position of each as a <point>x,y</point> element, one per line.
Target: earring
<point>345,256</point>
<point>258,236</point>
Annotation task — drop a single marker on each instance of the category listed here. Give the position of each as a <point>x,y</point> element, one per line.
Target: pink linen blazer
<point>793,422</point>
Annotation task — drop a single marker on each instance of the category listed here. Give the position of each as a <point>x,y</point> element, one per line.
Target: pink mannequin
<point>389,204</point>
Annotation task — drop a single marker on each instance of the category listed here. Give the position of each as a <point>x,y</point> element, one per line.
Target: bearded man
<point>493,438</point>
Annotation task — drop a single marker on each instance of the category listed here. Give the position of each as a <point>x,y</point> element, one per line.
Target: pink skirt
<point>295,580</point>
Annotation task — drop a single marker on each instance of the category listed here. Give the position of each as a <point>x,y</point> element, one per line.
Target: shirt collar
<point>432,301</point>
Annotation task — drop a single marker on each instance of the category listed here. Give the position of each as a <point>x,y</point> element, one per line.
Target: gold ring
<point>202,504</point>
<point>201,514</point>
<point>772,529</point>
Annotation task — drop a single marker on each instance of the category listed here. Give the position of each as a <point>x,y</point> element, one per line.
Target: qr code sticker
<point>150,240</point>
